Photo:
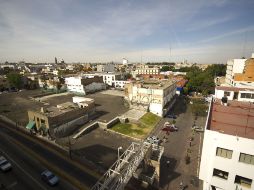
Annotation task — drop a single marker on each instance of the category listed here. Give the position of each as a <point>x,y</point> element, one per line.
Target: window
<point>246,158</point>
<point>246,95</point>
<point>244,182</point>
<point>224,153</point>
<point>221,174</point>
<point>226,93</point>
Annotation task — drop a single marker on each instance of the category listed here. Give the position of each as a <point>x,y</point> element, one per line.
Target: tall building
<point>240,72</point>
<point>234,66</point>
<point>55,60</point>
<point>227,161</point>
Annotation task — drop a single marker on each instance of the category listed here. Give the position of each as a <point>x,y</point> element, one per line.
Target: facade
<point>84,84</point>
<point>56,116</point>
<point>157,96</point>
<point>246,79</point>
<point>233,93</point>
<point>227,161</point>
<point>234,66</point>
<point>147,70</point>
<point>106,68</point>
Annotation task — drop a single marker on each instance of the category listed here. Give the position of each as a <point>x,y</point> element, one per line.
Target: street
<point>174,170</point>
<point>30,158</point>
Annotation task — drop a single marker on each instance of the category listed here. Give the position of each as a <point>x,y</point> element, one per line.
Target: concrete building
<point>115,80</point>
<point>146,70</point>
<point>84,84</point>
<point>227,161</point>
<point>246,78</point>
<point>234,66</point>
<point>65,114</point>
<point>157,96</point>
<point>110,67</point>
<point>233,93</point>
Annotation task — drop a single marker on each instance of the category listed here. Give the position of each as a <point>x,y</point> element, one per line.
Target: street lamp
<point>119,148</point>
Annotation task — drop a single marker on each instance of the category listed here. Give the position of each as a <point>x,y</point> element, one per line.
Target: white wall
<point>220,94</point>
<point>209,160</point>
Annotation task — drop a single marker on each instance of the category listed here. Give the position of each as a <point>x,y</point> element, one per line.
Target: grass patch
<point>149,119</point>
<point>140,130</point>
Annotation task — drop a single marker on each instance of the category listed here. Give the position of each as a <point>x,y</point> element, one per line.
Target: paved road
<point>176,145</point>
<point>26,170</point>
<point>20,147</point>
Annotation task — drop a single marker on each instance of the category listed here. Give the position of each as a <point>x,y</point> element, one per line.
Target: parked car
<point>5,165</point>
<point>153,140</point>
<point>171,116</point>
<point>169,127</point>
<point>49,178</point>
<point>173,128</point>
<point>197,128</point>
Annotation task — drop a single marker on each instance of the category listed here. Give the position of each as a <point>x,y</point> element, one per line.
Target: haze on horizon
<point>100,31</point>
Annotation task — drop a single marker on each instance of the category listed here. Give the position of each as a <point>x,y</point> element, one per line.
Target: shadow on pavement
<point>168,172</point>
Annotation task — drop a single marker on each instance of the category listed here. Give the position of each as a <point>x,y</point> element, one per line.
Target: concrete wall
<point>209,160</point>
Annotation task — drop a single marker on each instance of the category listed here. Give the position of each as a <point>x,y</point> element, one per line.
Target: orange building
<point>248,73</point>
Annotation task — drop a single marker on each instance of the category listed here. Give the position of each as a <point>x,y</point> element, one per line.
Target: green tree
<point>15,79</point>
<point>165,68</point>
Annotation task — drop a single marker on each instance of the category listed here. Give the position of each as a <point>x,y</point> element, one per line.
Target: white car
<point>49,178</point>
<point>5,165</point>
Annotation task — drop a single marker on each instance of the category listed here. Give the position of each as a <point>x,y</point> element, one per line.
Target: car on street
<point>172,116</point>
<point>50,178</point>
<point>197,128</point>
<point>5,165</point>
<point>153,140</point>
<point>169,127</point>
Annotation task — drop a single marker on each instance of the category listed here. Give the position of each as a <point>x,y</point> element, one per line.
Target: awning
<point>30,125</point>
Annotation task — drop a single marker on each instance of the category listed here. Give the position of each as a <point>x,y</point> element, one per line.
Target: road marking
<point>9,158</point>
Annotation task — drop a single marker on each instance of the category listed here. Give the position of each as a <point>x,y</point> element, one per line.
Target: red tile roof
<point>235,89</point>
<point>235,119</point>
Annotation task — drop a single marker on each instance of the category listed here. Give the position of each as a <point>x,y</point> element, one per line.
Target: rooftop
<point>231,88</point>
<point>156,84</point>
<point>237,118</point>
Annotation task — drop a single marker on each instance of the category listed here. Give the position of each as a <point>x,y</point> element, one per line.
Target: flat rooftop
<point>237,118</point>
<point>155,84</point>
<point>235,89</point>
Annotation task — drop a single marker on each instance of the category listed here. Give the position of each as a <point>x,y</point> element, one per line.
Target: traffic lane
<point>26,170</point>
<point>53,158</point>
<point>21,174</point>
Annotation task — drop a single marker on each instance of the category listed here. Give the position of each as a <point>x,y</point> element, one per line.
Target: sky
<point>201,31</point>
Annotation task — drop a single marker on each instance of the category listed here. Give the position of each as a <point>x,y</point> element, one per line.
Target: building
<point>227,161</point>
<point>65,114</point>
<point>234,66</point>
<point>84,84</point>
<point>146,70</point>
<point>115,80</point>
<point>157,96</point>
<point>246,78</point>
<point>110,67</point>
<point>234,93</point>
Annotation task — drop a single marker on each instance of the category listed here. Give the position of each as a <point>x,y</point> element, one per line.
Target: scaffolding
<point>118,175</point>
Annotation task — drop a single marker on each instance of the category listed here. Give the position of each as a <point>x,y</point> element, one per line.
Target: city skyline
<point>102,31</point>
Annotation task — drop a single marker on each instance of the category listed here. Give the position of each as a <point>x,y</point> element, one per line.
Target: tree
<point>165,68</point>
<point>15,79</point>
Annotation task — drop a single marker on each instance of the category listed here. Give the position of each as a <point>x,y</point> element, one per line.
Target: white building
<point>227,161</point>
<point>157,96</point>
<point>234,66</point>
<point>146,70</point>
<point>233,93</point>
<point>84,85</point>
